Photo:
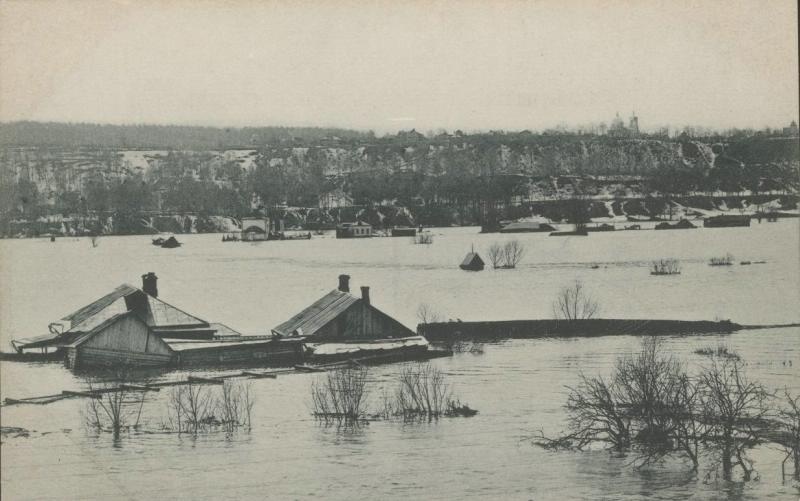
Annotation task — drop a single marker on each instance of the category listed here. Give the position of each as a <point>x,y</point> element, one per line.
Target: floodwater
<point>517,386</point>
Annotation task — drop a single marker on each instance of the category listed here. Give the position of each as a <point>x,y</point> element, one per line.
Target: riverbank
<point>604,209</point>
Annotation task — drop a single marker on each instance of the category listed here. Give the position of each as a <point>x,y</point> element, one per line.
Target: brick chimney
<point>365,294</point>
<point>344,283</point>
<point>150,284</point>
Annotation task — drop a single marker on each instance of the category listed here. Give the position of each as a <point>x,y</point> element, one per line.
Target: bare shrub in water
<point>507,255</point>
<point>194,408</point>
<point>574,303</point>
<point>427,314</point>
<point>513,250</point>
<point>340,394</point>
<point>191,407</point>
<point>726,260</point>
<point>235,404</point>
<point>422,391</point>
<point>665,267</point>
<point>788,417</point>
<point>495,254</point>
<point>721,351</point>
<point>115,404</point>
<point>736,407</point>
<point>424,238</point>
<point>652,407</point>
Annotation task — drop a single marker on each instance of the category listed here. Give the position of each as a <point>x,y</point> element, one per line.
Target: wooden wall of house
<point>128,334</point>
<point>267,353</point>
<point>84,357</point>
<point>361,321</point>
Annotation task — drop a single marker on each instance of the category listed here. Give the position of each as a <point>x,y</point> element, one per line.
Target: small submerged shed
<point>472,262</point>
<point>339,316</point>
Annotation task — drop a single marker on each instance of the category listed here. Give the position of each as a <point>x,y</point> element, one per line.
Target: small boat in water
<point>170,243</point>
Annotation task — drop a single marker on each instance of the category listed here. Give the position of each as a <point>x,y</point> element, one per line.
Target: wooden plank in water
<point>138,388</point>
<point>195,379</point>
<point>91,394</point>
<point>34,400</point>
<point>308,368</point>
<point>259,374</point>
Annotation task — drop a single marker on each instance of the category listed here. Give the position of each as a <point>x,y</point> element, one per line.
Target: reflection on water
<point>518,386</point>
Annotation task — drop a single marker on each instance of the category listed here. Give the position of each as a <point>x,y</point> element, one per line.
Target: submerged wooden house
<point>133,327</point>
<point>338,316</point>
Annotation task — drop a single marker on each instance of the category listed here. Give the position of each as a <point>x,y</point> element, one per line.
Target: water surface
<point>518,385</point>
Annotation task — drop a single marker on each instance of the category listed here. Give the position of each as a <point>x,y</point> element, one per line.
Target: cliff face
<point>371,170</point>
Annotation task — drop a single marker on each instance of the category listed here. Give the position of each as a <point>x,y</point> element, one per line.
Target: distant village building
<point>335,199</point>
<point>791,130</point>
<point>340,316</point>
<point>411,135</point>
<point>255,229</point>
<point>618,129</point>
<point>354,230</point>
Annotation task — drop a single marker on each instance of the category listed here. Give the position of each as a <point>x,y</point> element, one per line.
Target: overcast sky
<point>388,65</point>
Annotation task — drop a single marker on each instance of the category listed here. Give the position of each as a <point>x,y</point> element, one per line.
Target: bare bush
<point>574,303</point>
<point>665,267</point>
<point>513,250</point>
<point>507,255</point>
<point>788,417</point>
<point>427,314</point>
<point>191,407</point>
<point>594,416</point>
<point>495,254</point>
<point>235,404</point>
<point>114,404</point>
<point>653,408</point>
<point>340,394</point>
<point>194,408</point>
<point>424,238</point>
<point>726,260</point>
<point>461,346</point>
<point>422,391</point>
<point>721,351</point>
<point>735,407</point>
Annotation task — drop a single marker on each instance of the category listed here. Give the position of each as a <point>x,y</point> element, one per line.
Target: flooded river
<point>518,386</point>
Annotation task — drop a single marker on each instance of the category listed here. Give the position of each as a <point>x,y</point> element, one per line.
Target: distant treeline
<point>71,135</point>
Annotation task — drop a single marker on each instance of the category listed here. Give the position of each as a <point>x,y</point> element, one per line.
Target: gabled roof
<point>74,339</point>
<point>163,314</point>
<point>153,311</point>
<point>93,308</point>
<point>319,314</point>
<point>471,258</point>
